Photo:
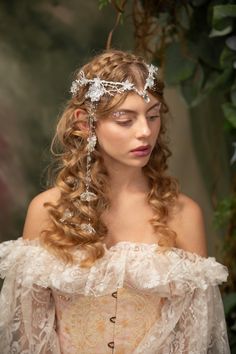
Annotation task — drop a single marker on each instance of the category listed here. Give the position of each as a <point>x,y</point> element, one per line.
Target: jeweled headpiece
<point>96,89</point>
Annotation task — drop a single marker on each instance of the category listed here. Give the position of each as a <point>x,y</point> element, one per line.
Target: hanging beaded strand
<point>89,196</point>
<point>96,89</point>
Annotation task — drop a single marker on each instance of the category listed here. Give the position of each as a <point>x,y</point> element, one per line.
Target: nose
<point>143,129</point>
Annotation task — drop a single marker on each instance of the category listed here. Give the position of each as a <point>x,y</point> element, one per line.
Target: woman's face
<point>134,124</point>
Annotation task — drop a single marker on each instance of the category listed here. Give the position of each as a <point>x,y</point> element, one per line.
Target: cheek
<point>155,131</point>
<point>157,127</point>
<point>111,137</point>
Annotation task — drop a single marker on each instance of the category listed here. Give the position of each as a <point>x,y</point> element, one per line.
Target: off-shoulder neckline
<point>115,245</point>
<point>128,245</point>
<point>131,244</point>
<point>139,246</point>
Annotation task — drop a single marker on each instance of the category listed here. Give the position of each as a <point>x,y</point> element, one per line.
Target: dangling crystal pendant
<point>146,97</point>
<point>92,140</point>
<point>87,180</point>
<point>88,196</point>
<point>87,228</point>
<point>67,214</point>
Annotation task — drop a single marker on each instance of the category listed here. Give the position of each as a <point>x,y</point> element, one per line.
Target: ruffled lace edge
<point>173,272</point>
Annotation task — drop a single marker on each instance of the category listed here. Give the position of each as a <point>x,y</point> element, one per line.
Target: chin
<point>130,162</point>
<point>138,163</point>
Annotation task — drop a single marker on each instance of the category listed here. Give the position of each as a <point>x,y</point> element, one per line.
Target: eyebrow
<point>131,111</point>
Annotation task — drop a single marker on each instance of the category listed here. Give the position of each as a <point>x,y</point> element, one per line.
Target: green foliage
<point>223,16</point>
<point>225,211</point>
<point>207,55</point>
<point>229,110</point>
<point>177,66</point>
<point>103,3</point>
<point>229,303</point>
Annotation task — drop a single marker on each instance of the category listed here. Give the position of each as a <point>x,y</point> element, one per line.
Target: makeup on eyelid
<point>123,112</point>
<point>127,122</point>
<point>130,115</point>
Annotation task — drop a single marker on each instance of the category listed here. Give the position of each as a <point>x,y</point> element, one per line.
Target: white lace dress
<point>133,300</point>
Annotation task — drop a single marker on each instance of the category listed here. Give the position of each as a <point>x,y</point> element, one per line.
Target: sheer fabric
<point>133,300</point>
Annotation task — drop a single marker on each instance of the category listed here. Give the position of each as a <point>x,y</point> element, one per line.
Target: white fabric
<point>180,287</point>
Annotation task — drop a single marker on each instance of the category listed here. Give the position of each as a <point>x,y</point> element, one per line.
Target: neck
<point>126,179</point>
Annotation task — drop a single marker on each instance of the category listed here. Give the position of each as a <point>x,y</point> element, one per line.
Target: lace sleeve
<point>27,323</point>
<point>202,327</point>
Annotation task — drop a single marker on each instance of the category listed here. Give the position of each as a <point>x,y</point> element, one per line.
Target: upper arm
<point>191,233</point>
<point>37,217</point>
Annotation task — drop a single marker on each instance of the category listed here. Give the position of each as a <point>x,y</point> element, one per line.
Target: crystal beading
<point>88,196</point>
<point>98,88</point>
<point>87,228</point>
<point>92,140</point>
<point>67,214</point>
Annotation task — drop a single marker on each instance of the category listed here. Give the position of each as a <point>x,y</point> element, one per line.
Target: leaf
<point>230,113</point>
<point>218,80</point>
<point>102,3</point>
<point>206,49</point>
<point>222,16</point>
<point>218,33</point>
<point>223,11</point>
<point>227,58</point>
<point>191,88</point>
<point>178,66</point>
<point>194,95</point>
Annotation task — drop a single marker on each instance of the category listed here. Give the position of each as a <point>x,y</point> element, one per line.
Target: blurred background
<point>194,42</point>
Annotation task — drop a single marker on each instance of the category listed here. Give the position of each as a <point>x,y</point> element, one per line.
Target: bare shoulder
<point>188,222</point>
<point>186,204</point>
<point>37,217</point>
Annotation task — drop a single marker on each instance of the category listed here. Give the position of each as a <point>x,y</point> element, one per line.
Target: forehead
<point>134,102</point>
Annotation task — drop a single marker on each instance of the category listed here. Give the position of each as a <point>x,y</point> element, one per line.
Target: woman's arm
<point>27,320</point>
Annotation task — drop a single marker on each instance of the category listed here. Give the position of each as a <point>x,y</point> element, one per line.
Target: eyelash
<point>127,122</point>
<point>155,117</point>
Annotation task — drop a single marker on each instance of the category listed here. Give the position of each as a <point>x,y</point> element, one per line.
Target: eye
<point>124,122</point>
<point>152,118</point>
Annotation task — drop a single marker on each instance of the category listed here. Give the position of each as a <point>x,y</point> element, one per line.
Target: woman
<point>113,257</point>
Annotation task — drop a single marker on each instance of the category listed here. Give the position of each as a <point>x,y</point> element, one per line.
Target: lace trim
<point>192,322</point>
<point>136,265</point>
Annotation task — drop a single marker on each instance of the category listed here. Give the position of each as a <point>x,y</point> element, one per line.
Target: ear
<point>81,119</point>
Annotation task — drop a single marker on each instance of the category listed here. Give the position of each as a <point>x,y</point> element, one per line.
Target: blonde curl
<point>62,239</point>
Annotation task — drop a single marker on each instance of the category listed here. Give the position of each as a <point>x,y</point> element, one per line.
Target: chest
<point>129,221</point>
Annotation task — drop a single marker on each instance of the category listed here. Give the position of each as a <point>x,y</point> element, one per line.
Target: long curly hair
<point>63,238</point>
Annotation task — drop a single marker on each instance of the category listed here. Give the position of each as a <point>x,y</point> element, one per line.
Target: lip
<point>142,151</point>
<point>142,148</point>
